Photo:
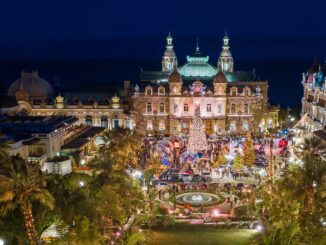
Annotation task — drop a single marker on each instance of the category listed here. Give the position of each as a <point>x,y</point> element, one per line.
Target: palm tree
<point>22,184</point>
<point>124,146</point>
<point>313,147</point>
<point>296,204</point>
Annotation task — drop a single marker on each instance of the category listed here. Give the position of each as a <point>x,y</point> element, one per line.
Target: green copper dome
<point>197,66</point>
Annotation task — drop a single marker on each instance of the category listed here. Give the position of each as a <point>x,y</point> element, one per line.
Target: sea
<point>284,76</point>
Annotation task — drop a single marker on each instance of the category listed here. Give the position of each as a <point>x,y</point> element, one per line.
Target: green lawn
<point>191,236</point>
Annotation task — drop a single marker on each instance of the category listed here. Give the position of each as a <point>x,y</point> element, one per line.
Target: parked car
<point>206,175</point>
<point>186,177</point>
<point>162,186</point>
<point>196,177</point>
<point>175,177</point>
<point>189,171</point>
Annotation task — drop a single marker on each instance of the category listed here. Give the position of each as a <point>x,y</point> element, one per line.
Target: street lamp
<point>81,184</point>
<point>215,213</point>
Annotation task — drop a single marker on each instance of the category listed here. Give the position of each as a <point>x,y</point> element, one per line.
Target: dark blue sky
<point>87,19</point>
<point>263,29</point>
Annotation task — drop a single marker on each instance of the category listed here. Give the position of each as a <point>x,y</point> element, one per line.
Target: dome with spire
<point>197,66</point>
<point>33,85</point>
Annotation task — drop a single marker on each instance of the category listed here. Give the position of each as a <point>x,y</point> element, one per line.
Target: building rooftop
<point>84,138</point>
<point>34,124</point>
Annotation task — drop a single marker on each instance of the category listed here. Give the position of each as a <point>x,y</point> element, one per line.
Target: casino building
<point>230,101</point>
<point>163,102</point>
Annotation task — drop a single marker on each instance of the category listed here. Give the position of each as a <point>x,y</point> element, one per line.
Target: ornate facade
<point>314,98</point>
<point>164,101</point>
<point>35,97</point>
<point>229,101</point>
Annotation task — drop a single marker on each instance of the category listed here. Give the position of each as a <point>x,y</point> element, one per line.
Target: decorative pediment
<point>197,88</point>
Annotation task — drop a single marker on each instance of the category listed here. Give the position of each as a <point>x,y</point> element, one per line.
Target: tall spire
<point>169,58</point>
<point>197,47</point>
<point>225,61</point>
<point>169,41</point>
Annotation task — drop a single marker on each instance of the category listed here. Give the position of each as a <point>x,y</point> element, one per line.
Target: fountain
<point>197,199</point>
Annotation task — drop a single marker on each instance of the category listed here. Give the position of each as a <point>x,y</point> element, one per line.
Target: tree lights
<point>197,138</point>
<point>249,151</point>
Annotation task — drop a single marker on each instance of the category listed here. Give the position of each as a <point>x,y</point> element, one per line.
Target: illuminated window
<point>245,126</point>
<point>149,125</point>
<point>161,125</point>
<point>149,91</point>
<point>233,109</point>
<point>246,109</point>
<point>246,91</point>
<point>149,107</point>
<point>233,126</point>
<point>162,108</point>
<point>219,108</point>
<point>209,108</point>
<point>185,107</point>
<point>161,91</point>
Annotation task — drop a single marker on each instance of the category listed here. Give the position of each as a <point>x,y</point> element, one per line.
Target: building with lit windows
<point>313,113</point>
<point>94,107</point>
<point>163,102</point>
<point>230,101</point>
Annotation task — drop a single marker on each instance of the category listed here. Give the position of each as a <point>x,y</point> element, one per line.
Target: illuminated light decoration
<point>188,156</point>
<point>197,137</point>
<point>215,213</point>
<point>249,151</point>
<point>282,143</point>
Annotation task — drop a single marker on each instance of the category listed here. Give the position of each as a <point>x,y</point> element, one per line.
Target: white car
<point>162,186</point>
<point>186,178</point>
<point>206,175</point>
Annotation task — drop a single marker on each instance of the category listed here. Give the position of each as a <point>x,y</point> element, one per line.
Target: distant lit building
<point>230,101</point>
<point>313,113</point>
<point>35,97</point>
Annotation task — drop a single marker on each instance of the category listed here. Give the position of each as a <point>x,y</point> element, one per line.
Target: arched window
<point>89,120</point>
<point>149,90</point>
<point>246,91</point>
<point>104,122</point>
<point>234,91</point>
<point>161,90</point>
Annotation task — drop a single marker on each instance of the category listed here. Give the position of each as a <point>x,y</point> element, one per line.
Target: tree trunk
<point>30,225</point>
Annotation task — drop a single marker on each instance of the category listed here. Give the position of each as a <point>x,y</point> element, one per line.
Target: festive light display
<point>197,138</point>
<point>237,162</point>
<point>249,151</point>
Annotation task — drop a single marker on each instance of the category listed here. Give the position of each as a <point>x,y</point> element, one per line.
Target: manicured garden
<point>189,236</point>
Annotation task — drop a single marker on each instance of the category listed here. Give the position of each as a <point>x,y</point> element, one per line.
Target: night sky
<point>288,22</point>
<point>279,38</point>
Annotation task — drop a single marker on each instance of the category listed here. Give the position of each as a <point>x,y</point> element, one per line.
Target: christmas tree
<point>197,138</point>
<point>237,162</point>
<point>249,151</point>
